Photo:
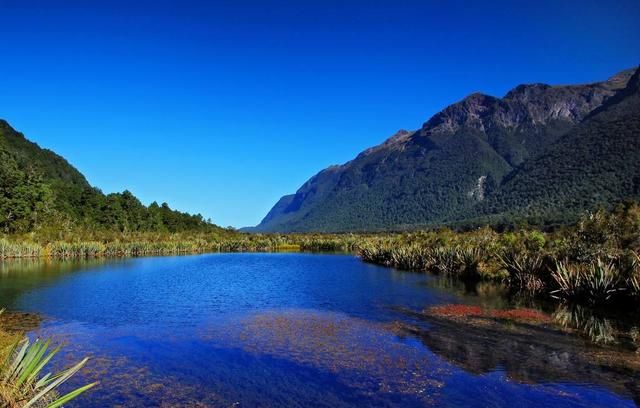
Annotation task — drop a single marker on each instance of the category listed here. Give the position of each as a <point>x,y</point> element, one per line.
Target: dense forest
<point>40,192</point>
<point>594,165</point>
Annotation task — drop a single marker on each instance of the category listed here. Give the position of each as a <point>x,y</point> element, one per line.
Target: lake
<point>301,330</point>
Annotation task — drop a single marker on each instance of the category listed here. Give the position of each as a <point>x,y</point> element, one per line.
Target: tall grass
<point>76,249</point>
<point>9,249</point>
<point>595,282</point>
<point>594,262</point>
<point>526,270</point>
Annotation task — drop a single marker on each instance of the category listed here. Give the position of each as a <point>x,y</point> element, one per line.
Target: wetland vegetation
<point>594,262</point>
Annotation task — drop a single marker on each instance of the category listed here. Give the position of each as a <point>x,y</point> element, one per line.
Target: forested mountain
<point>41,191</point>
<point>475,159</point>
<point>597,163</point>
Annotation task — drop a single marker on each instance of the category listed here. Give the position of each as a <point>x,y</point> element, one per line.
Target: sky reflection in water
<point>298,330</point>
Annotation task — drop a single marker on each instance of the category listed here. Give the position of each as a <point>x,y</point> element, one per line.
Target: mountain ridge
<point>430,176</point>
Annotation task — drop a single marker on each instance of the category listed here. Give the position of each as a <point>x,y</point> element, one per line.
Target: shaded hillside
<point>596,164</point>
<point>40,191</point>
<point>442,172</point>
<point>26,154</point>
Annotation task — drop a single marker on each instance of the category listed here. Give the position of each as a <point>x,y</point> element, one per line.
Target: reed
<point>9,249</point>
<point>594,262</point>
<point>526,270</point>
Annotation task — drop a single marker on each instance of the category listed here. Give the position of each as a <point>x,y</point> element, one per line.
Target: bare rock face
<point>532,104</point>
<point>479,190</point>
<point>432,175</point>
<point>396,141</point>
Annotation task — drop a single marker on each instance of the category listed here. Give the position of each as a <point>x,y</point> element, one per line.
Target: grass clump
<point>595,261</point>
<point>24,382</point>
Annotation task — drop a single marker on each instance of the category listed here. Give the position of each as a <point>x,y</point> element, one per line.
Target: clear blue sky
<point>223,107</point>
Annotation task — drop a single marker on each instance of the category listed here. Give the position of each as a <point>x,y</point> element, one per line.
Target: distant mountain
<point>41,192</point>
<point>466,163</point>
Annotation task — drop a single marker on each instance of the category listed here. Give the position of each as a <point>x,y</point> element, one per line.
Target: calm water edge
<point>302,330</point>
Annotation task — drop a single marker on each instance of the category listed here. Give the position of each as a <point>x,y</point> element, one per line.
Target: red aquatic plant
<point>455,310</point>
<point>458,310</point>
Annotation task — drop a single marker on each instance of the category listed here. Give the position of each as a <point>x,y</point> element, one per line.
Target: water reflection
<point>528,350</point>
<point>20,275</point>
<point>302,330</point>
<point>599,326</point>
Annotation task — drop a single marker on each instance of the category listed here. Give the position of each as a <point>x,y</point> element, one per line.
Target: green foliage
<point>594,262</point>
<point>23,383</point>
<point>40,192</point>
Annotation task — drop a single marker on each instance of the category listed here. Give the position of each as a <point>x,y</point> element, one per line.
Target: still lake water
<point>297,330</point>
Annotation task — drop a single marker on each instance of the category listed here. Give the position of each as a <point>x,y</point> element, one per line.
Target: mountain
<point>41,192</point>
<point>595,164</point>
<point>28,154</point>
<point>451,168</point>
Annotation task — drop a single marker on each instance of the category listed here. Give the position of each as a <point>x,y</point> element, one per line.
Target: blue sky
<point>221,107</point>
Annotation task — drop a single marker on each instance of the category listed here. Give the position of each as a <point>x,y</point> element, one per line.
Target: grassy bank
<point>167,244</point>
<point>594,262</point>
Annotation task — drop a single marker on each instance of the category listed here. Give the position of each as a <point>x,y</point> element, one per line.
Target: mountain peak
<point>398,137</point>
<point>620,80</point>
<point>634,81</point>
<point>526,91</point>
<point>395,141</point>
<point>469,112</point>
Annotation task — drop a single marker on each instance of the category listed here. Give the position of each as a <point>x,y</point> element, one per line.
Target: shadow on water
<point>299,330</point>
<point>600,326</point>
<point>571,345</point>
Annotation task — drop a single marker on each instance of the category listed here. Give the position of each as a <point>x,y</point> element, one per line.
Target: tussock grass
<point>23,380</point>
<point>594,262</point>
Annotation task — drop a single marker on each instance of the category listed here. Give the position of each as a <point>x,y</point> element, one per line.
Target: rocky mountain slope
<point>461,159</point>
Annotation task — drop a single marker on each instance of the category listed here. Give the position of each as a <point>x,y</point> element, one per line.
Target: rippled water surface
<point>300,330</point>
